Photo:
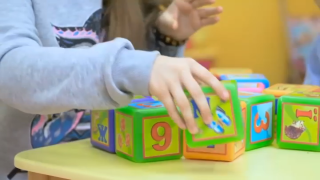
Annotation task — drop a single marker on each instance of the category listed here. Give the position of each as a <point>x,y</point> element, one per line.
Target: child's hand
<point>184,17</point>
<point>170,76</point>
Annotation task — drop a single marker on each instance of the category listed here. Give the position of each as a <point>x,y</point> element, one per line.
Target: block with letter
<point>259,114</point>
<point>298,120</point>
<point>102,130</point>
<point>146,133</point>
<point>103,127</point>
<point>220,71</point>
<point>247,78</point>
<point>227,122</point>
<point>220,152</point>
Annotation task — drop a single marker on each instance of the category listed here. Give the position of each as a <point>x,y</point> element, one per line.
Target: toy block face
<point>298,121</point>
<point>226,126</point>
<point>219,152</point>
<point>102,130</point>
<point>247,78</point>
<point>251,87</point>
<point>282,89</point>
<point>142,99</point>
<point>149,133</point>
<point>124,134</point>
<point>259,110</point>
<point>161,137</point>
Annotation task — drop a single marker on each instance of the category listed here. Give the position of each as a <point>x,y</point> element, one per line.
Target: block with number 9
<point>146,133</point>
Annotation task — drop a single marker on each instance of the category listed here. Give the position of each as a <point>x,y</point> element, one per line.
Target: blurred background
<point>272,37</point>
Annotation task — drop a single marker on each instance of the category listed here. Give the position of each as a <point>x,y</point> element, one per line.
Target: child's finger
<point>209,21</point>
<point>210,11</point>
<point>172,110</point>
<point>205,76</point>
<point>200,3</point>
<point>185,108</point>
<point>184,5</point>
<point>200,99</point>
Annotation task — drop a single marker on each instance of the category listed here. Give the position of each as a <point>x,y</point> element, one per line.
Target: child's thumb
<point>169,20</point>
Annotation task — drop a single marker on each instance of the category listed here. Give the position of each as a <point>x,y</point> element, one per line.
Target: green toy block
<point>146,133</point>
<point>259,113</point>
<point>298,120</point>
<point>227,124</point>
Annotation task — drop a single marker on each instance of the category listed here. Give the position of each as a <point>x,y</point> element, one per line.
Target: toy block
<point>281,89</point>
<point>220,152</point>
<point>251,87</point>
<point>259,114</point>
<point>227,124</point>
<point>103,127</point>
<point>298,120</point>
<point>220,71</point>
<point>247,78</point>
<point>102,130</point>
<point>146,133</point>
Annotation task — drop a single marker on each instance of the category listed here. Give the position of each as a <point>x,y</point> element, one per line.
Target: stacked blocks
<point>247,78</point>
<point>298,120</point>
<point>259,114</point>
<point>103,127</point>
<point>279,90</point>
<point>226,130</point>
<point>146,133</point>
<point>220,71</point>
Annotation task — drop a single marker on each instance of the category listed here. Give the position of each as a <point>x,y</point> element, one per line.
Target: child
<point>313,63</point>
<point>60,58</point>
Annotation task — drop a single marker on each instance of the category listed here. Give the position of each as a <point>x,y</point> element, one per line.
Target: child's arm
<point>45,80</point>
<point>172,51</point>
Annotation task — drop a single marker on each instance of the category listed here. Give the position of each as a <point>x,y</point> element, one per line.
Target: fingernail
<point>225,95</point>
<point>194,130</point>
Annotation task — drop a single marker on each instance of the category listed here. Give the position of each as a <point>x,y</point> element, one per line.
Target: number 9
<point>167,136</point>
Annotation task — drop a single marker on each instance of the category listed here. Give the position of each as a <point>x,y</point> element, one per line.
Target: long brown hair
<point>131,19</point>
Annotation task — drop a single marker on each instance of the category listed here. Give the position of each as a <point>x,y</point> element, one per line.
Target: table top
<point>80,161</point>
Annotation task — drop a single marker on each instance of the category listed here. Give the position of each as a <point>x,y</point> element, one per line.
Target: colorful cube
<point>103,127</point>
<point>251,87</point>
<point>247,78</point>
<point>220,152</point>
<point>298,120</point>
<point>102,130</point>
<point>146,133</point>
<point>219,71</point>
<point>227,123</point>
<point>259,110</point>
<point>281,89</point>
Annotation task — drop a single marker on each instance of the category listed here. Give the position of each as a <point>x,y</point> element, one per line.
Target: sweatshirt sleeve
<point>45,80</point>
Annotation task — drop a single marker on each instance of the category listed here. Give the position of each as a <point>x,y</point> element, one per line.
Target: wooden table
<point>80,161</point>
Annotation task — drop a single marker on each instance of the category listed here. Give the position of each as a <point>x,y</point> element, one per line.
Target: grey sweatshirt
<point>51,61</point>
